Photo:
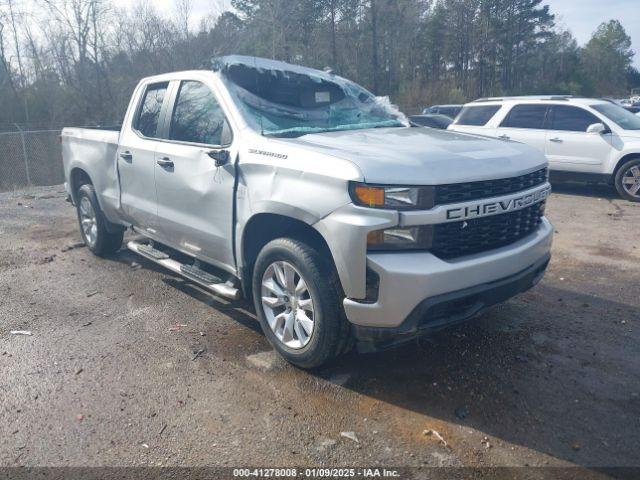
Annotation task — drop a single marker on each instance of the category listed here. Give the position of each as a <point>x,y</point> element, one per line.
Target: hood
<point>424,156</point>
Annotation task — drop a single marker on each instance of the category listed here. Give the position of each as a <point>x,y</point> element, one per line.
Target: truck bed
<point>100,134</point>
<point>94,151</point>
<point>113,128</point>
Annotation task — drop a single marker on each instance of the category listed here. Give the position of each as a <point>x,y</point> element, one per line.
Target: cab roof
<point>224,63</point>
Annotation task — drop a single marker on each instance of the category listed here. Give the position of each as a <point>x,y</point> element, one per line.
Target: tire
<point>94,231</point>
<point>330,332</point>
<point>627,180</point>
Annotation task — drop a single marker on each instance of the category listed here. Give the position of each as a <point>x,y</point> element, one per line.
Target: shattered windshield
<point>279,102</point>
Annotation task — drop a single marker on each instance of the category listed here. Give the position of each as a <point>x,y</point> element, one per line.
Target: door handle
<point>555,140</point>
<point>504,137</point>
<point>165,162</point>
<point>126,156</point>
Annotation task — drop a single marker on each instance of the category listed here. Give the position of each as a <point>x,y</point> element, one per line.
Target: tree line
<point>76,62</point>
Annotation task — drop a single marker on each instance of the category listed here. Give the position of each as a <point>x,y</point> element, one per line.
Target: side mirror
<point>221,157</point>
<point>597,128</point>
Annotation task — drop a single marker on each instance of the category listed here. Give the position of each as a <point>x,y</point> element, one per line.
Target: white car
<point>584,139</point>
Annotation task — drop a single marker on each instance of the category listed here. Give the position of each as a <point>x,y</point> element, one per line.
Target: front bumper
<point>408,280</point>
<point>442,311</point>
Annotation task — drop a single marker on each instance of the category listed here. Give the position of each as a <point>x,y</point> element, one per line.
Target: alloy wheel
<point>631,181</point>
<point>88,221</point>
<point>287,304</point>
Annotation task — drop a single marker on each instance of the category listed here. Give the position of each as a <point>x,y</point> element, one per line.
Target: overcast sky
<point>582,17</point>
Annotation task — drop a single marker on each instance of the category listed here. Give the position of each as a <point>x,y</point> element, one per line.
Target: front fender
<point>285,209</point>
<point>345,231</point>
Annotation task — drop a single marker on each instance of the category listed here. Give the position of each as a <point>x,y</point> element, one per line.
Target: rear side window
<point>198,117</point>
<point>149,113</point>
<point>571,119</point>
<point>477,115</point>
<point>526,116</point>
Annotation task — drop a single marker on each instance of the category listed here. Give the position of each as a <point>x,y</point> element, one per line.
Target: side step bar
<point>202,278</point>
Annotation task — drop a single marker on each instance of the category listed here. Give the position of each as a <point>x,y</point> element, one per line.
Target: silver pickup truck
<point>303,191</point>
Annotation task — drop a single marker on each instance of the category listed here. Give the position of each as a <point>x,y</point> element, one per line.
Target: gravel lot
<point>551,378</point>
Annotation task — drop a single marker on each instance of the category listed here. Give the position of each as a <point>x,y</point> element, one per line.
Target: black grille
<point>461,192</point>
<point>456,239</point>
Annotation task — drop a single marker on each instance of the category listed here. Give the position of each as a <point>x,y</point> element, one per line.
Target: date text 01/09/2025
<point>316,473</point>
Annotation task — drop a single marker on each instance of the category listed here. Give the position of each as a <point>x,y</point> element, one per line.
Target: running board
<point>202,278</point>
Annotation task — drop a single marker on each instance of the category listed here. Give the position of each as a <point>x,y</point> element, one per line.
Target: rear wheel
<point>93,224</point>
<point>296,296</point>
<point>628,180</point>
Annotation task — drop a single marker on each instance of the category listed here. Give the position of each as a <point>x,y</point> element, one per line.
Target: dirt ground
<point>550,378</point>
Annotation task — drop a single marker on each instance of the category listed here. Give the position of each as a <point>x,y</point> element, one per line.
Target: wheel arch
<point>264,227</point>
<point>624,159</point>
<point>78,177</point>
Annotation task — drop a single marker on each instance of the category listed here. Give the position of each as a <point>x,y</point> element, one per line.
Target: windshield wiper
<point>287,134</point>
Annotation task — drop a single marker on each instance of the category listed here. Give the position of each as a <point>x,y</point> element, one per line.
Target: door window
<point>477,115</point>
<point>571,119</point>
<point>526,116</point>
<point>149,113</point>
<point>198,117</point>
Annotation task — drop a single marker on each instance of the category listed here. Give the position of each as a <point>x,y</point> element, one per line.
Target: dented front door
<point>195,197</point>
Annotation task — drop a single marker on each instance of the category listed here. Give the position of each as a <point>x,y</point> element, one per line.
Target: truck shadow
<point>551,371</point>
<point>236,310</point>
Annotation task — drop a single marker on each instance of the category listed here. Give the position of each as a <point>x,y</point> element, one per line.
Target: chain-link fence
<point>30,158</point>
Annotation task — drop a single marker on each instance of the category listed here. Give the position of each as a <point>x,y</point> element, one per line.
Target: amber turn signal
<point>375,238</point>
<point>370,196</point>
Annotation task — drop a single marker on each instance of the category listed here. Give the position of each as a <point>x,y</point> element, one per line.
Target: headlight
<point>392,197</point>
<point>412,238</point>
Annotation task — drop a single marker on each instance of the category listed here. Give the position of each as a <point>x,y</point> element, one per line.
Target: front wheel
<point>628,180</point>
<point>93,224</point>
<point>297,300</point>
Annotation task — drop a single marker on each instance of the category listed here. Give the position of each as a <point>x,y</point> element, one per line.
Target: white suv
<point>585,139</point>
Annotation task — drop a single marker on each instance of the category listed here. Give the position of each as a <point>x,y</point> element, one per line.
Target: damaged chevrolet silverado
<point>303,191</point>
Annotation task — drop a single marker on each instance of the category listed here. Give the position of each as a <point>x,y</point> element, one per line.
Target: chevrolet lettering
<point>495,207</point>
